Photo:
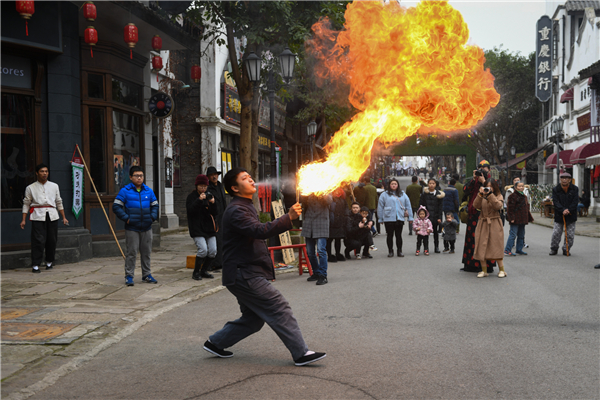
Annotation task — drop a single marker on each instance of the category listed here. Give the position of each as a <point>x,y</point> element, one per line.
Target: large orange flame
<point>407,69</point>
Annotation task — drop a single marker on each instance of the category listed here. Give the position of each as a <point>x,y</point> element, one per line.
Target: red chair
<point>302,256</point>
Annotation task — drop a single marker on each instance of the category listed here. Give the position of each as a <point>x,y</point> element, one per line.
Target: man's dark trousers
<point>260,302</point>
<point>44,235</point>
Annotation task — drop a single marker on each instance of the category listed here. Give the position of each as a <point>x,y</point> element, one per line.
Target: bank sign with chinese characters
<point>543,59</point>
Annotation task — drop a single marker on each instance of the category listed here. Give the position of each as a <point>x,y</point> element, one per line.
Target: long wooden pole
<point>100,200</point>
<point>566,236</point>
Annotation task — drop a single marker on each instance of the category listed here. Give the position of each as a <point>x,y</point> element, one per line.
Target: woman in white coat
<point>393,210</point>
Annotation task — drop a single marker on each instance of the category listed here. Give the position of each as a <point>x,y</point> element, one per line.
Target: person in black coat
<point>433,199</point>
<point>565,197</point>
<point>216,189</point>
<point>358,232</point>
<point>338,216</point>
<point>201,211</point>
<point>248,270</point>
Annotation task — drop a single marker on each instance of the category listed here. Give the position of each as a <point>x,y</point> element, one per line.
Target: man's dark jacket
<point>450,202</point>
<point>201,216</point>
<point>433,203</point>
<point>565,201</point>
<point>244,245</point>
<point>355,236</point>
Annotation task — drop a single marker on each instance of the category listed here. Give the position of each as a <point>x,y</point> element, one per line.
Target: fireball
<point>407,69</point>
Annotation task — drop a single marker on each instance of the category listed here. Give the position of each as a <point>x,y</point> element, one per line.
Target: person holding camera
<point>201,212</point>
<point>489,234</point>
<point>433,199</point>
<point>471,191</point>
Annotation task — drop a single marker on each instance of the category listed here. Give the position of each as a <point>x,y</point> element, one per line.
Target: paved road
<point>415,327</point>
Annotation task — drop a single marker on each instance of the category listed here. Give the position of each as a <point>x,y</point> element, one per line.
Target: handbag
<point>463,212</point>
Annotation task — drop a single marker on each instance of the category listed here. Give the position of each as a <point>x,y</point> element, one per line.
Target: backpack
<point>463,212</point>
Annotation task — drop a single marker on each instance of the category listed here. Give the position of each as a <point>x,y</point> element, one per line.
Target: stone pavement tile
<point>15,357</point>
<point>79,317</point>
<point>107,279</point>
<point>53,276</point>
<point>98,293</point>
<point>69,291</point>
<point>13,287</point>
<point>115,304</point>
<point>129,292</point>
<point>73,334</point>
<point>161,293</point>
<point>98,310</point>
<point>41,289</point>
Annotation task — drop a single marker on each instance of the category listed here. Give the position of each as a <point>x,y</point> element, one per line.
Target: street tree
<point>265,28</point>
<point>514,121</point>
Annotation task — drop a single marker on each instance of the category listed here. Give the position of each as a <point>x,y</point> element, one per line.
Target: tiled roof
<point>580,5</point>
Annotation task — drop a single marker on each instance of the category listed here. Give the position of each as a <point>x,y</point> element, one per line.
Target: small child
<point>450,226</point>
<point>368,224</point>
<point>422,227</point>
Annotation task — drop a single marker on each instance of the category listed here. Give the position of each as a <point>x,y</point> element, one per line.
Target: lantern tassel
<point>131,54</point>
<point>26,28</point>
<point>91,52</point>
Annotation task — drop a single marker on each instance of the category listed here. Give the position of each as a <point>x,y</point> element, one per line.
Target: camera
<point>209,196</point>
<point>486,190</point>
<point>480,172</point>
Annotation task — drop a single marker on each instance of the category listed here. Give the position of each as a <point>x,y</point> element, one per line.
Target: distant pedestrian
<point>565,197</point>
<point>433,199</point>
<point>137,206</point>
<point>489,234</point>
<point>247,270</point>
<point>518,215</point>
<point>394,210</point>
<point>422,227</point>
<point>450,225</point>
<point>315,230</point>
<point>413,191</point>
<point>43,202</point>
<point>202,210</point>
<point>338,215</point>
<point>371,201</point>
<point>216,189</point>
<point>584,204</point>
<point>451,200</point>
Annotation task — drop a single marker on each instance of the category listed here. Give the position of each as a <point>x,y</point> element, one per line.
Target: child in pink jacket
<point>422,227</point>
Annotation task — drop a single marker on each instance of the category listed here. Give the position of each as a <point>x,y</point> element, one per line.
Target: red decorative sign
<point>584,122</point>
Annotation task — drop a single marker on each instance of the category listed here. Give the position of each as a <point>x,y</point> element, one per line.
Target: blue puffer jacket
<point>140,208</point>
<point>391,208</point>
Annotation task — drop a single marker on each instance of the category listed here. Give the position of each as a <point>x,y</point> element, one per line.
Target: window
<point>18,148</point>
<point>97,132</point>
<point>126,93</point>
<point>95,86</point>
<point>126,150</point>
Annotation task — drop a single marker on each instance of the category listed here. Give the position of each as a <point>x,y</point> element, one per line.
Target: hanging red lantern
<point>157,64</point>
<point>89,11</point>
<point>130,35</point>
<point>26,10</point>
<point>91,38</point>
<point>196,73</point>
<point>156,43</point>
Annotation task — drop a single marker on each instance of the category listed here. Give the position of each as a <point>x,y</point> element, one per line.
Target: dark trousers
<point>424,240</point>
<point>43,237</point>
<point>449,244</point>
<point>436,232</point>
<point>392,228</point>
<point>260,302</point>
<point>356,244</point>
<point>337,244</point>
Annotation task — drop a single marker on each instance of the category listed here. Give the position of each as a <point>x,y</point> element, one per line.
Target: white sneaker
<point>373,248</point>
<point>358,257</point>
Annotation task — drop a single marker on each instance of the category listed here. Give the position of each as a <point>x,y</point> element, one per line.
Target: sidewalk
<point>56,320</point>
<point>586,226</point>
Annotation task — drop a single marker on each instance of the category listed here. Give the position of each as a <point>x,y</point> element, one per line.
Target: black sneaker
<point>322,280</point>
<point>211,348</point>
<point>367,256</point>
<point>49,266</point>
<point>36,270</point>
<point>565,253</point>
<point>553,252</point>
<point>313,278</point>
<point>309,359</point>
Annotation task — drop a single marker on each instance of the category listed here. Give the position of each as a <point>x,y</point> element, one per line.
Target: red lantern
<point>130,35</point>
<point>26,9</point>
<point>89,11</point>
<point>156,43</point>
<point>91,38</point>
<point>157,65</point>
<point>196,73</point>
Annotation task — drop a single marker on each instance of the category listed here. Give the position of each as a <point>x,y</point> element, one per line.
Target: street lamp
<point>253,63</point>
<point>311,131</point>
<point>557,126</point>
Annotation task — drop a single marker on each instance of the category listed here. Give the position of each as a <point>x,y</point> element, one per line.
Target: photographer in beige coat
<point>489,234</point>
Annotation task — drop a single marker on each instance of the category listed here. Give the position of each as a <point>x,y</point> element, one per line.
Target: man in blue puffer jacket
<point>137,206</point>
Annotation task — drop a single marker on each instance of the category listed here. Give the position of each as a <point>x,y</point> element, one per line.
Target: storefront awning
<point>584,151</point>
<point>567,96</point>
<point>565,156</point>
<point>592,161</point>
<point>524,156</point>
